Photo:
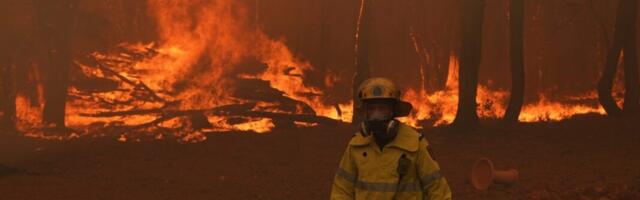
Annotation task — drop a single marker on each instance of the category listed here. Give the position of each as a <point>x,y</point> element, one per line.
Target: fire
<point>545,110</point>
<point>305,124</point>
<point>439,108</point>
<point>440,105</point>
<point>258,125</point>
<point>178,82</point>
<point>30,115</point>
<point>192,82</point>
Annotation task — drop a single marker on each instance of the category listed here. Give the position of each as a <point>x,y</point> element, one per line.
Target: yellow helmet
<point>382,88</point>
<point>378,88</point>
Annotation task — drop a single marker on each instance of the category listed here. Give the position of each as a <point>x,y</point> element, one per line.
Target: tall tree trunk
<point>631,96</point>
<point>325,35</point>
<point>57,18</point>
<point>7,93</point>
<point>363,39</point>
<point>471,18</point>
<point>257,14</point>
<point>517,61</point>
<point>623,36</point>
<point>7,69</point>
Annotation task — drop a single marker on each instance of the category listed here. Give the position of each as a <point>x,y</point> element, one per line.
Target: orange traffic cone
<point>483,175</point>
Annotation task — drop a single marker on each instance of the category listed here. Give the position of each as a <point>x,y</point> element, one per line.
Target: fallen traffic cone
<point>483,175</point>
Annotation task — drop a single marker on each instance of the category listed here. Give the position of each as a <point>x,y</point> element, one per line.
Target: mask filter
<point>383,131</point>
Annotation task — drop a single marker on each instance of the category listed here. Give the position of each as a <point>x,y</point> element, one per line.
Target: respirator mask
<point>380,122</point>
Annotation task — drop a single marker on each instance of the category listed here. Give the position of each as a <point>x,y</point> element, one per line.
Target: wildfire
<point>191,82</point>
<point>440,107</point>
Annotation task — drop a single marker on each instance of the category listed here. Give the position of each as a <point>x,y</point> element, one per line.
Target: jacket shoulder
<point>422,140</point>
<point>410,131</point>
<point>359,140</point>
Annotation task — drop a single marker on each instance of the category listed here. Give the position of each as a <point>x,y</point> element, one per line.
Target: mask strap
<point>364,129</point>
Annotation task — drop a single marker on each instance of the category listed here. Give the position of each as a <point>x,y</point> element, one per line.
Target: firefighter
<point>387,159</point>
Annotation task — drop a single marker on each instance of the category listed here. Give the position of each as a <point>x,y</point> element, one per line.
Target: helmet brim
<point>403,109</point>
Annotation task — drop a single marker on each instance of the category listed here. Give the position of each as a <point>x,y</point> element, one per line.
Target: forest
<point>80,77</point>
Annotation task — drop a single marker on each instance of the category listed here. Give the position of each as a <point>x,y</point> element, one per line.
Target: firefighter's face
<point>379,110</point>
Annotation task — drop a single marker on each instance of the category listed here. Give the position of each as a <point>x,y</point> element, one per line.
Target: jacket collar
<point>407,139</point>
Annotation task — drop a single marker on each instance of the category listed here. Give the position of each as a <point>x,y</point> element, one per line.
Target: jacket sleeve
<point>345,178</point>
<point>434,185</point>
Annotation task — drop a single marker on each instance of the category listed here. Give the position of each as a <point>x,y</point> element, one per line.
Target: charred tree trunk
<point>258,14</point>
<point>7,70</point>
<point>325,35</point>
<point>623,41</point>
<point>444,49</point>
<point>57,20</point>
<point>363,39</point>
<point>7,93</point>
<point>471,18</point>
<point>517,61</point>
<point>631,95</point>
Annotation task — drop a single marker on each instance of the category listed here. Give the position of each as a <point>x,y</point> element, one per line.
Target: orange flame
<point>441,106</point>
<point>194,65</point>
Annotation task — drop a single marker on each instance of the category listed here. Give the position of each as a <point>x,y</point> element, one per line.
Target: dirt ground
<point>588,157</point>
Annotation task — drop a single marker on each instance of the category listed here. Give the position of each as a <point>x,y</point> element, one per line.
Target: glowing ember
<point>30,115</point>
<point>122,138</point>
<point>260,126</point>
<point>304,124</point>
<point>252,124</point>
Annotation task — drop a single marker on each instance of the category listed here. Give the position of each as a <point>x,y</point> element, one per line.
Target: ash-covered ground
<point>590,157</point>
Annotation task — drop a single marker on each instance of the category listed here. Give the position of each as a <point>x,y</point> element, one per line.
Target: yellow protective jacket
<point>366,172</point>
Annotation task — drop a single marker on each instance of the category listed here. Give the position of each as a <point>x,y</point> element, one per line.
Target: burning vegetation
<point>212,67</point>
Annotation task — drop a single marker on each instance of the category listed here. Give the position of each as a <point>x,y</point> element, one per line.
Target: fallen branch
<point>237,110</point>
<point>139,84</point>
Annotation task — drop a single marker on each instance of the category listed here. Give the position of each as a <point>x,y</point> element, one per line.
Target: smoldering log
<point>236,110</point>
<point>260,90</point>
<point>217,110</point>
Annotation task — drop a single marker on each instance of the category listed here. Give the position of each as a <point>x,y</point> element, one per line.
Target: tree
<point>516,20</point>
<point>7,107</point>
<point>363,39</point>
<point>624,42</point>
<point>7,70</point>
<point>471,20</point>
<point>56,21</point>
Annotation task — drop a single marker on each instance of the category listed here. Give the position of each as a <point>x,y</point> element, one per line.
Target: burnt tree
<point>516,23</point>
<point>7,93</point>
<point>7,108</point>
<point>363,40</point>
<point>471,20</point>
<point>631,95</point>
<point>56,20</point>
<point>3,69</point>
<point>10,49</point>
<point>624,41</point>
<point>5,116</point>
